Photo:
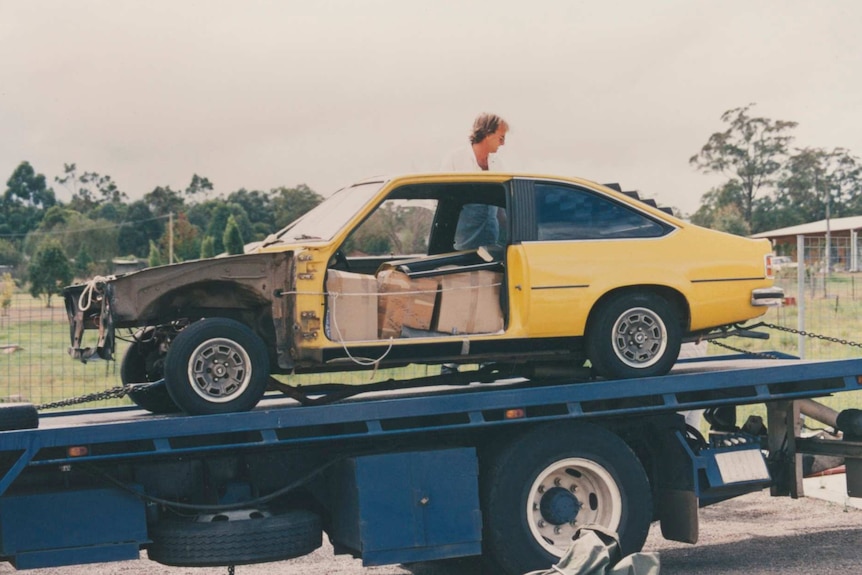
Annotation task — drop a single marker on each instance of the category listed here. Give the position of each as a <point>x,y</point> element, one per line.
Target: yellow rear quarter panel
<point>563,281</point>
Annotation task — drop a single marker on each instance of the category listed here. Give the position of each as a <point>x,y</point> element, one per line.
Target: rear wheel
<point>216,365</point>
<point>634,335</point>
<point>552,481</point>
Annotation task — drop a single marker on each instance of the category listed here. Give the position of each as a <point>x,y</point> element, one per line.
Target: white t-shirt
<point>464,160</point>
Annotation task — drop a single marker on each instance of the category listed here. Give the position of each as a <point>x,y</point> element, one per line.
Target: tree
<point>729,193</point>
<point>154,258</point>
<point>7,290</point>
<point>290,203</point>
<point>164,200</point>
<point>89,189</point>
<point>9,254</point>
<point>141,226</point>
<point>218,223</point>
<point>258,207</point>
<point>815,184</point>
<point>208,248</point>
<point>24,201</point>
<point>75,231</point>
<point>83,262</point>
<point>232,240</point>
<point>49,271</point>
<point>198,185</point>
<point>187,242</point>
<point>750,151</point>
<point>28,187</point>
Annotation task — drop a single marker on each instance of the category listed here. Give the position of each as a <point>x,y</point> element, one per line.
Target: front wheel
<point>144,363</point>
<point>634,335</point>
<point>551,481</point>
<point>216,365</point>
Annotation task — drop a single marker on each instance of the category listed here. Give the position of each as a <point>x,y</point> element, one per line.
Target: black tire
<point>217,543</point>
<point>634,335</point>
<point>561,476</point>
<point>143,363</point>
<point>18,416</point>
<point>216,365</point>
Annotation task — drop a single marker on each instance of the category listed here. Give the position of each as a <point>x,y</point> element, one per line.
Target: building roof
<point>815,228</point>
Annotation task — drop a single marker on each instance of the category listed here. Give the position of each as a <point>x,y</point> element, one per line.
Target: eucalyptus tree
<point>750,151</point>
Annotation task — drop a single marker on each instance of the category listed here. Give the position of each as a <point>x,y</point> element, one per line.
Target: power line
<point>83,230</point>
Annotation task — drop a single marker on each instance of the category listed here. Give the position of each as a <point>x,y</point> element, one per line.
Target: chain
<point>801,332</point>
<point>809,334</point>
<point>112,393</point>
<point>762,354</point>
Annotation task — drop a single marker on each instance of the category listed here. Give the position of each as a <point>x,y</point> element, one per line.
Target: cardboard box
<point>404,302</point>
<point>470,303</point>
<point>351,312</point>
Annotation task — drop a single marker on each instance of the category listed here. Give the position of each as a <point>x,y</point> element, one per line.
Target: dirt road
<point>751,535</point>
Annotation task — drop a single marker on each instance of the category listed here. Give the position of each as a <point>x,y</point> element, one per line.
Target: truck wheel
<point>216,365</point>
<point>143,363</point>
<point>551,481</point>
<point>18,416</point>
<point>634,335</point>
<point>223,541</point>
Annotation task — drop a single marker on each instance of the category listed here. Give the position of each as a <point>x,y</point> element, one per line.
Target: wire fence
<point>34,339</point>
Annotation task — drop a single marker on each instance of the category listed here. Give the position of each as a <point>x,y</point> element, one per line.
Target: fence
<point>34,339</point>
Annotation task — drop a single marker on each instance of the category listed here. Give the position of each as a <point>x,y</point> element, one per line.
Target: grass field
<point>35,365</point>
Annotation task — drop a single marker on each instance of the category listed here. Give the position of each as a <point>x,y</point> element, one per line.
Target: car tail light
<point>767,266</point>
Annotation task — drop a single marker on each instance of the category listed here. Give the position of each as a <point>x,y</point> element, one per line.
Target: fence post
<point>800,291</point>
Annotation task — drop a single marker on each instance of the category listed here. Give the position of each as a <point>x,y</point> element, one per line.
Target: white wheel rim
<point>220,370</point>
<point>639,337</point>
<point>567,495</point>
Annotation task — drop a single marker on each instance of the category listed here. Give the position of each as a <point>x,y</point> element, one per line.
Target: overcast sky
<point>260,94</point>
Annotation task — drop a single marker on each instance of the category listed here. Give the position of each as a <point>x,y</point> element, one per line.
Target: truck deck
<point>711,382</point>
<point>91,463</point>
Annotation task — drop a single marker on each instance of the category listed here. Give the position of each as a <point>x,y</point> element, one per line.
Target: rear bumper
<point>771,296</point>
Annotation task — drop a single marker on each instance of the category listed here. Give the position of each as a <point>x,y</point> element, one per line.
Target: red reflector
<point>77,451</point>
<point>515,413</point>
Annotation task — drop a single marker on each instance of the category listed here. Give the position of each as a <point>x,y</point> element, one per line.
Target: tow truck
<point>480,465</point>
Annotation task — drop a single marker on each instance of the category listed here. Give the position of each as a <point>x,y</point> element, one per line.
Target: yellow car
<point>488,268</point>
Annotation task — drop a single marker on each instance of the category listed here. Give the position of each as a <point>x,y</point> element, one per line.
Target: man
<point>479,224</point>
<point>489,133</point>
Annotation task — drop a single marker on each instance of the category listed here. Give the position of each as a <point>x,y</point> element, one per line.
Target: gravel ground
<point>751,535</point>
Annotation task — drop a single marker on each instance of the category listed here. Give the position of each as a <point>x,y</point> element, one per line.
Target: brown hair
<point>485,125</point>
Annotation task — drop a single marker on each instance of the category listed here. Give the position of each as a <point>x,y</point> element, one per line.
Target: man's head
<point>491,128</point>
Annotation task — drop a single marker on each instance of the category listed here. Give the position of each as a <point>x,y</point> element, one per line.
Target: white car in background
<point>783,263</point>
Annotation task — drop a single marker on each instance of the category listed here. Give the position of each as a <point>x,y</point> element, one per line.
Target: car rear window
<point>568,213</point>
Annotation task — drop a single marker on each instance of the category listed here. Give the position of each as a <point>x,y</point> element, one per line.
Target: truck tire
<point>253,540</point>
<point>18,416</point>
<point>545,484</point>
<point>216,365</point>
<point>634,335</point>
<point>142,364</point>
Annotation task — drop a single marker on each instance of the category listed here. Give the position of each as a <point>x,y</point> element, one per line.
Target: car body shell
<point>550,288</point>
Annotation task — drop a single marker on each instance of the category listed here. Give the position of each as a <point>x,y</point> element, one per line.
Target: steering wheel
<point>340,259</point>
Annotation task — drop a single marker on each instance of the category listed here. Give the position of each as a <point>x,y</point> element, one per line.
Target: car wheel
<point>553,480</point>
<point>227,539</point>
<point>634,335</point>
<point>144,363</point>
<point>216,365</point>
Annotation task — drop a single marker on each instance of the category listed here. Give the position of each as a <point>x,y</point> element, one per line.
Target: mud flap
<point>678,515</point>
